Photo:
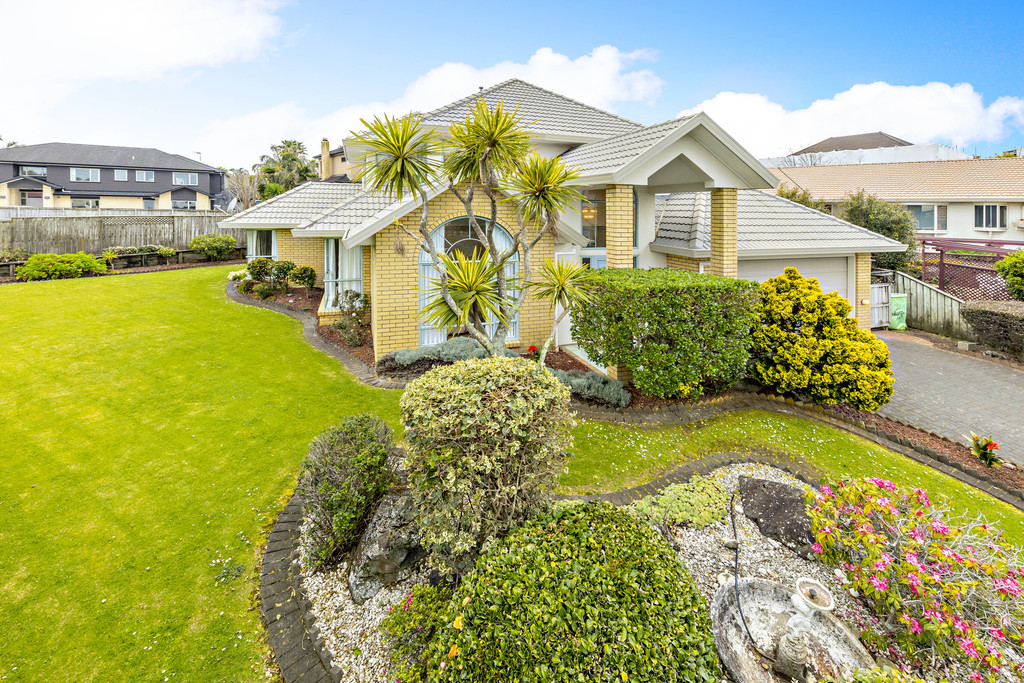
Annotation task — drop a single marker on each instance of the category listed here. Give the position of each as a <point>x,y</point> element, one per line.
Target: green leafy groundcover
<point>586,593</point>
<point>678,332</point>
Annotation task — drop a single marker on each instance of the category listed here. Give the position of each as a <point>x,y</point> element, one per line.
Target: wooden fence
<point>9,212</point>
<point>931,309</point>
<point>93,234</point>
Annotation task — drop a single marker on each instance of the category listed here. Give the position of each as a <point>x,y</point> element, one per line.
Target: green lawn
<point>149,426</point>
<point>610,457</point>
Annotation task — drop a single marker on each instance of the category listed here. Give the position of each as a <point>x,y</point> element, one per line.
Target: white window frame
<point>94,174</point>
<point>145,176</point>
<point>183,201</point>
<point>250,245</point>
<point>935,217</point>
<point>22,169</point>
<point>190,178</point>
<point>73,200</point>
<point>343,270</point>
<point>1000,215</point>
<point>121,175</point>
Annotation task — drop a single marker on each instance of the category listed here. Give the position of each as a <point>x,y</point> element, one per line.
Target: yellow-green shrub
<point>807,345</point>
<point>487,438</point>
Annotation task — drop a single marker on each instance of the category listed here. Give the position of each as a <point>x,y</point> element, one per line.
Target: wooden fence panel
<point>931,309</point>
<point>93,234</point>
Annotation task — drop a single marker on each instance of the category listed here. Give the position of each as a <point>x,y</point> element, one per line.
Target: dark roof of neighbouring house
<point>334,152</point>
<point>70,153</point>
<point>542,111</point>
<point>765,223</point>
<point>858,141</point>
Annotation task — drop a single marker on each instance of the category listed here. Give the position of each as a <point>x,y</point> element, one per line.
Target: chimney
<point>325,159</point>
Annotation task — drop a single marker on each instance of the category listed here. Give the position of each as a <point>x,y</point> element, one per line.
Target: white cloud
<point>934,112</point>
<point>603,78</point>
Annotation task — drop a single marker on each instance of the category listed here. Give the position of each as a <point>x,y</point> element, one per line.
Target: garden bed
<point>5,280</point>
<point>363,352</point>
<point>956,452</point>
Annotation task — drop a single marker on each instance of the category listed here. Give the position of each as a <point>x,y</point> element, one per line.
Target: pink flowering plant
<point>408,629</point>
<point>942,585</point>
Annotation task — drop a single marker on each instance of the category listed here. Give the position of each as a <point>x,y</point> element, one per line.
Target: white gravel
<point>350,630</point>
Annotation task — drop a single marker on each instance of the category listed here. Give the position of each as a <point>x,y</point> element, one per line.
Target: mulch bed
<point>954,451</point>
<point>363,352</point>
<point>560,360</point>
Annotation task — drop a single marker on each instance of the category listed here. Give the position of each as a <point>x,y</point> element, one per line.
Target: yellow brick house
<point>677,194</point>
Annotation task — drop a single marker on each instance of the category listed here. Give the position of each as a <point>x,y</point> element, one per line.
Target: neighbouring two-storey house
<point>965,198</point>
<point>73,176</point>
<point>681,194</point>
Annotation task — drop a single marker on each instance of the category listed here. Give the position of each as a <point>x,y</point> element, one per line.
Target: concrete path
<point>953,394</point>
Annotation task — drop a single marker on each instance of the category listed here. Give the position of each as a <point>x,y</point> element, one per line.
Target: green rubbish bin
<point>898,312</point>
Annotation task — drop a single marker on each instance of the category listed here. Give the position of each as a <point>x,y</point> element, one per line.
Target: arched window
<point>457,236</point>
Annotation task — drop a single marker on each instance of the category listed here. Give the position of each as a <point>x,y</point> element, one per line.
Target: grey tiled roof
<point>354,212</point>
<point>101,155</point>
<point>299,204</point>
<point>605,156</point>
<point>542,111</point>
<point>764,222</point>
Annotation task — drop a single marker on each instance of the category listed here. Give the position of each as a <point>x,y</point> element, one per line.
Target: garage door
<point>831,272</point>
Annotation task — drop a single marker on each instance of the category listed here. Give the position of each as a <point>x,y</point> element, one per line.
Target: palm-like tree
<point>489,152</point>
<point>564,284</point>
<point>287,165</point>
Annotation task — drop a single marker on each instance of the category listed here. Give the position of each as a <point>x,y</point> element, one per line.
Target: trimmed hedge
<point>998,324</point>
<point>344,476</point>
<point>212,245</point>
<point>587,593</point>
<point>807,345</point>
<point>678,332</point>
<point>59,266</point>
<point>487,440</point>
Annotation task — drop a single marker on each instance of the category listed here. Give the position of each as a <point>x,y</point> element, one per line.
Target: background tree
<point>9,144</point>
<point>489,153</point>
<point>287,165</point>
<point>802,196</point>
<point>887,219</point>
<point>244,187</point>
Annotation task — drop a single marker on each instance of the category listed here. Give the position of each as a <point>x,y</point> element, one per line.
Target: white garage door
<point>831,272</point>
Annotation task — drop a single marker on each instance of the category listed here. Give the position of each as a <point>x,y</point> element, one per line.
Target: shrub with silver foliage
<point>593,386</point>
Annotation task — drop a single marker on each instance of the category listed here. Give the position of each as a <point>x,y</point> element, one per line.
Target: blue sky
<point>229,77</point>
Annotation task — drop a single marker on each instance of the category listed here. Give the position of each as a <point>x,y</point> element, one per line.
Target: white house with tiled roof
<point>967,198</point>
<point>635,179</point>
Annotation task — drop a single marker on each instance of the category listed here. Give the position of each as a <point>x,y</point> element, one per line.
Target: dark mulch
<point>954,451</point>
<point>641,401</point>
<point>363,352</point>
<point>295,299</point>
<point>560,360</point>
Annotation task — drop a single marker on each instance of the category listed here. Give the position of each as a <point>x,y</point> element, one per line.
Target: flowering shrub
<point>944,585</point>
<point>533,352</point>
<point>984,449</point>
<point>260,268</point>
<point>238,274</point>
<point>409,627</point>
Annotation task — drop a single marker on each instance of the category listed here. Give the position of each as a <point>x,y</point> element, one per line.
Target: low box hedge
<point>678,332</point>
<point>998,324</point>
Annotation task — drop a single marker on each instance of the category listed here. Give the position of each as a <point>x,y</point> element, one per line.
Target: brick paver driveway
<point>952,394</point>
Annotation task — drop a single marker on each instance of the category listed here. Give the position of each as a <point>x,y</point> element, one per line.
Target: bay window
<point>343,271</point>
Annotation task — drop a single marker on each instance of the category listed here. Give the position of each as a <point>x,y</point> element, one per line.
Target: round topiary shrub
<point>487,438</point>
<point>587,593</point>
<point>304,276</point>
<point>807,345</point>
<point>344,476</point>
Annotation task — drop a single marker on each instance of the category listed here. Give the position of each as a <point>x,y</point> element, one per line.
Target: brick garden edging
<point>300,652</point>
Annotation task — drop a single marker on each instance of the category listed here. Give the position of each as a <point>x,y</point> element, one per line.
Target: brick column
<point>863,292</point>
<point>619,222</point>
<point>723,232</point>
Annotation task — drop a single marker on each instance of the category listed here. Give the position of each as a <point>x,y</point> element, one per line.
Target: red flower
<point>993,446</point>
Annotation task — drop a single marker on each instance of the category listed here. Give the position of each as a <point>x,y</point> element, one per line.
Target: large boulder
<point>389,548</point>
<point>779,512</point>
